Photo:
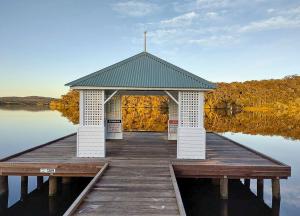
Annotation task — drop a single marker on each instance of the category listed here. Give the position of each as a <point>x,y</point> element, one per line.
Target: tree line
<point>257,95</point>
<point>278,99</point>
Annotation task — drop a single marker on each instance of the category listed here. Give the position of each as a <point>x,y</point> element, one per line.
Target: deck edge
<point>177,192</point>
<point>36,147</point>
<point>83,194</point>
<point>253,151</point>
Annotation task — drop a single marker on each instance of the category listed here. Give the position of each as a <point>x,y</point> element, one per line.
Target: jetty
<point>135,173</point>
<point>138,175</point>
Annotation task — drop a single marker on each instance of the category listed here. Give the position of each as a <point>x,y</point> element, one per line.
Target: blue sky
<point>45,44</point>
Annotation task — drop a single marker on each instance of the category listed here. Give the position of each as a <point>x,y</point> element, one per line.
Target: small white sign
<point>47,170</point>
<point>114,126</point>
<point>173,125</point>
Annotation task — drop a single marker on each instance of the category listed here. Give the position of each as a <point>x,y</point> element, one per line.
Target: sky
<point>45,44</point>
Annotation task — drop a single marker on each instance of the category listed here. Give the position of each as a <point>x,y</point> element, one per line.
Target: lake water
<point>275,135</point>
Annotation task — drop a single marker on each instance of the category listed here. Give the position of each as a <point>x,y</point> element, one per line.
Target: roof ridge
<point>180,70</point>
<point>103,70</point>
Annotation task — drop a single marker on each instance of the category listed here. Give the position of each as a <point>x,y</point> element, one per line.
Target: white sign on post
<point>114,126</point>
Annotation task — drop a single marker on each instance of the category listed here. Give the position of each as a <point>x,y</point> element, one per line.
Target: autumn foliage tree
<point>257,95</point>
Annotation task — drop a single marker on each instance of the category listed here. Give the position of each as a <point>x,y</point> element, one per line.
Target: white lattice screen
<point>173,110</point>
<point>190,109</point>
<point>93,106</point>
<point>113,108</point>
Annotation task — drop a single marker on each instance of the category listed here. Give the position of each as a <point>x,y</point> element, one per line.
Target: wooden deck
<point>138,180</point>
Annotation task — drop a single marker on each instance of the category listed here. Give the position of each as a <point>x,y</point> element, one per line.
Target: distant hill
<point>26,101</point>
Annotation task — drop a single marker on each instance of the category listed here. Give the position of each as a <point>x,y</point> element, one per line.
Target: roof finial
<point>145,41</point>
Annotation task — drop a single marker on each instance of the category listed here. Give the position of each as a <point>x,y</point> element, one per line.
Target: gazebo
<point>142,74</point>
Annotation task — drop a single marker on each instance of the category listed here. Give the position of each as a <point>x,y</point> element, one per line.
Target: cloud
<point>214,3</point>
<point>214,40</point>
<point>281,19</point>
<point>270,24</point>
<point>182,20</point>
<point>188,5</point>
<point>135,8</point>
<point>212,25</point>
<point>212,15</point>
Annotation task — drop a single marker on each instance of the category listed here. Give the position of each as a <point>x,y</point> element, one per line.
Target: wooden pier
<point>137,177</point>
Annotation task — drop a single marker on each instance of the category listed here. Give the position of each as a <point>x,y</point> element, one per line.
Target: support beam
<point>3,184</point>
<point>260,188</point>
<point>172,97</point>
<point>3,203</point>
<point>247,183</point>
<point>191,134</point>
<point>52,185</point>
<point>115,92</point>
<point>224,208</point>
<point>276,188</point>
<point>24,187</point>
<point>224,188</point>
<point>52,205</point>
<point>66,180</point>
<point>91,129</point>
<point>39,182</point>
<point>275,207</point>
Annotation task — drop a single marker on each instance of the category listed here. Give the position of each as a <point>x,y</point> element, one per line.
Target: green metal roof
<point>143,70</point>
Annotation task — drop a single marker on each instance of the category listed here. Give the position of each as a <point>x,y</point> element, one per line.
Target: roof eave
<point>141,88</point>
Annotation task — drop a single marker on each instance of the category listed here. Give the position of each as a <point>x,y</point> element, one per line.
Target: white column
<point>114,118</point>
<point>173,120</point>
<point>91,131</point>
<point>191,135</point>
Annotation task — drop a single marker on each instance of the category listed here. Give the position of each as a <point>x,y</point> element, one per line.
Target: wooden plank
<point>139,174</point>
<point>254,151</point>
<point>242,171</point>
<point>59,169</point>
<point>177,192</point>
<point>83,194</point>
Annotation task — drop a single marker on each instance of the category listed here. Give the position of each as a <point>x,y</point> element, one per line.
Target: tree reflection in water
<point>278,123</point>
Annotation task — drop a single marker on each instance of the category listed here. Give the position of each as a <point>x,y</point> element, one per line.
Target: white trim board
<point>137,88</point>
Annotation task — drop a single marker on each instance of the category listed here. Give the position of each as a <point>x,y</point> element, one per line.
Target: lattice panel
<point>93,101</point>
<point>113,108</point>
<point>191,109</point>
<point>173,110</point>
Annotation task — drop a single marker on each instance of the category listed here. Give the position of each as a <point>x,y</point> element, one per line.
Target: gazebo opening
<point>145,113</point>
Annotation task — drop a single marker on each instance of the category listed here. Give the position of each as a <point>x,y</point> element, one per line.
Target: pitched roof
<point>143,70</point>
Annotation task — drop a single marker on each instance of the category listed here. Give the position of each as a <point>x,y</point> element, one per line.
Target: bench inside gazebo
<point>142,74</point>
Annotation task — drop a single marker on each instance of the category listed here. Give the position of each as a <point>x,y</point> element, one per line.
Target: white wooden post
<point>191,135</point>
<point>114,118</point>
<point>173,120</point>
<point>91,132</point>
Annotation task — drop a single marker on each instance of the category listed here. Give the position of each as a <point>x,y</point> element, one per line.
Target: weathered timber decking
<point>224,157</point>
<point>138,180</point>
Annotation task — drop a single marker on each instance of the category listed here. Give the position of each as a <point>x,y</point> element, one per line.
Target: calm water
<point>22,129</point>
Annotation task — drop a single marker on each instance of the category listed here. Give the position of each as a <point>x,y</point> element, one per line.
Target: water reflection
<point>201,196</point>
<point>256,130</point>
<point>278,123</point>
<point>24,108</point>
<point>38,202</point>
<point>263,123</point>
